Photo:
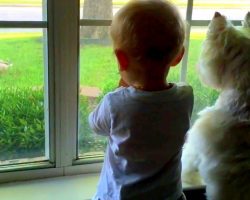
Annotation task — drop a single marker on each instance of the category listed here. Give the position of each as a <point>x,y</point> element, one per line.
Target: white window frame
<point>62,78</point>
<point>63,26</point>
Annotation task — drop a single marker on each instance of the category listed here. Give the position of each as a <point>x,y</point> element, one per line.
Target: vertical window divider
<point>189,12</point>
<point>48,138</point>
<point>50,82</point>
<point>64,30</point>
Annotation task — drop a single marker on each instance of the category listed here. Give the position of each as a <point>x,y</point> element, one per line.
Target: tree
<point>96,9</point>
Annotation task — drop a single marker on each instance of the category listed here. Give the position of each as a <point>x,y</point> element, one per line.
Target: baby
<point>218,146</point>
<point>146,118</point>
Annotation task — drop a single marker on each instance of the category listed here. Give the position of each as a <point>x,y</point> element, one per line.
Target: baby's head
<point>224,60</point>
<point>149,34</point>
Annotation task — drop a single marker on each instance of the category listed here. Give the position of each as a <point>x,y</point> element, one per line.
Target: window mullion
<point>188,28</point>
<point>95,22</point>
<point>23,24</point>
<point>206,22</point>
<point>48,153</point>
<point>65,52</point>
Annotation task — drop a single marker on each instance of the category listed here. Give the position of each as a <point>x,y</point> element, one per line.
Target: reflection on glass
<point>23,10</point>
<point>233,9</point>
<point>203,95</point>
<point>105,9</point>
<point>22,124</point>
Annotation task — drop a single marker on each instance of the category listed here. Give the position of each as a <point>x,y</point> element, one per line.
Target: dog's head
<point>225,56</point>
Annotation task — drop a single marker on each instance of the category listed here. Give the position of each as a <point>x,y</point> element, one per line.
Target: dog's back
<point>226,172</point>
<point>218,144</point>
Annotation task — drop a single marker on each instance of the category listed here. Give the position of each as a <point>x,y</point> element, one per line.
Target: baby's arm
<point>99,119</point>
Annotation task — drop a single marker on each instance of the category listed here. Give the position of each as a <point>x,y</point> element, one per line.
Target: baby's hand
<point>122,83</point>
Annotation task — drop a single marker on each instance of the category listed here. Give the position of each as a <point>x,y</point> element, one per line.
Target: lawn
<point>24,79</point>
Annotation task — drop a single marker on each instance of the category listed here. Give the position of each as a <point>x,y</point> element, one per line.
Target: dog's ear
<point>217,14</point>
<point>218,23</point>
<point>246,22</point>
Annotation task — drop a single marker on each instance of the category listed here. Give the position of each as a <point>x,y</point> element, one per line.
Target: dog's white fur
<point>218,145</point>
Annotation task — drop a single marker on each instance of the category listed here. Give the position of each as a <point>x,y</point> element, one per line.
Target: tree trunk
<point>96,9</point>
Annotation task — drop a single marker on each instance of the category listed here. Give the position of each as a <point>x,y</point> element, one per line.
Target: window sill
<point>79,187</point>
<point>26,166</point>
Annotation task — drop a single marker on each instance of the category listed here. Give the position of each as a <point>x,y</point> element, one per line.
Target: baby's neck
<point>153,86</point>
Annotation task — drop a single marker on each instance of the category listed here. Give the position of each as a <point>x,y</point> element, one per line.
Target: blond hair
<point>148,30</point>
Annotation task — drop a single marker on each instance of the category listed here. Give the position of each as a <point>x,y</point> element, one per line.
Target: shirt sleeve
<point>99,119</point>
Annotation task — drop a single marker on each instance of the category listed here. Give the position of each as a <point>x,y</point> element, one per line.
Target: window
<point>23,84</point>
<point>22,97</point>
<point>56,62</point>
<point>38,54</point>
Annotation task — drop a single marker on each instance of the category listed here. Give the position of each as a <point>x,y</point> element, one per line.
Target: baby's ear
<point>246,22</point>
<point>178,57</point>
<point>122,59</point>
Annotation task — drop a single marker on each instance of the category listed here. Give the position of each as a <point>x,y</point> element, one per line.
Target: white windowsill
<point>78,187</point>
<point>75,187</point>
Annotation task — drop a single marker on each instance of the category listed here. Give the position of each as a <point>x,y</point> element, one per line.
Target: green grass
<point>26,57</point>
<point>98,68</point>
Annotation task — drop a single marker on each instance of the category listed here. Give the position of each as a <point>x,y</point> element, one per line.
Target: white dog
<point>218,145</point>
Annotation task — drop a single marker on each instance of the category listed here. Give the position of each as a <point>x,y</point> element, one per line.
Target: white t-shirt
<point>146,132</point>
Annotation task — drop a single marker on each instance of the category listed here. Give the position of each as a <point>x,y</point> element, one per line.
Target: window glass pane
<point>104,9</point>
<point>233,9</point>
<point>22,96</point>
<point>23,10</point>
<point>203,95</point>
<point>98,75</point>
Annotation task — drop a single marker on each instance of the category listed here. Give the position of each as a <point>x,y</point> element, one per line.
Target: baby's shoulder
<point>184,88</point>
<point>118,95</point>
<point>184,92</point>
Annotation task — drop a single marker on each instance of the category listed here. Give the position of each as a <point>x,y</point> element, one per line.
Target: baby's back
<point>147,134</point>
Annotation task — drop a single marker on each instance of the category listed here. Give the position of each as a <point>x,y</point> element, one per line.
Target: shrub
<point>21,123</point>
